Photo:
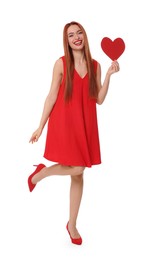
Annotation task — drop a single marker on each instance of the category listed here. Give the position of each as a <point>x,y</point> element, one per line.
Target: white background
<point>114,218</point>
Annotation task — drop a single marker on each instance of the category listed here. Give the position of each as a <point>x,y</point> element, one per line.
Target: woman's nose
<point>76,36</point>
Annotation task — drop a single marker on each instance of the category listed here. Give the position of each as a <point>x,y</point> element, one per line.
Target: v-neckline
<point>79,74</point>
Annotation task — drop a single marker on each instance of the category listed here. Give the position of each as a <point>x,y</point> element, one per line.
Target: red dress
<point>72,134</point>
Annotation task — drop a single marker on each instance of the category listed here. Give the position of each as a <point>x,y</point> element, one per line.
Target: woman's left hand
<point>114,67</point>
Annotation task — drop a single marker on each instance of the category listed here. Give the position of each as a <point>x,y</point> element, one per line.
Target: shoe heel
<point>77,241</point>
<point>30,184</point>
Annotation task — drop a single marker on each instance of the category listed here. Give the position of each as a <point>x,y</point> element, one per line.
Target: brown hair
<point>93,91</point>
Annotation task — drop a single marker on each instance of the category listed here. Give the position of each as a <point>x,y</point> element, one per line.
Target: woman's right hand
<point>35,136</point>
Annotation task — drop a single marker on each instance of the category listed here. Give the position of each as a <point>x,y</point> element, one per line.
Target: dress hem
<point>72,164</point>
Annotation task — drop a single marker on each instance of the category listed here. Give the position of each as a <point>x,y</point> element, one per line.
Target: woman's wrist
<point>40,127</point>
<point>108,75</point>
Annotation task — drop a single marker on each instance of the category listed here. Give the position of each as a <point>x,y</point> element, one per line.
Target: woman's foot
<point>32,181</point>
<point>73,231</point>
<point>74,234</point>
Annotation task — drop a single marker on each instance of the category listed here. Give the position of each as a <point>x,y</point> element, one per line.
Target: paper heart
<point>113,49</point>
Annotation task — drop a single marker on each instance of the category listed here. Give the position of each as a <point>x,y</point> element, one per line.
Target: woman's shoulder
<point>95,63</point>
<point>60,61</point>
<point>58,65</point>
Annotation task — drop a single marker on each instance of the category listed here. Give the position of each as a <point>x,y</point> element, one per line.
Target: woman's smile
<point>78,42</point>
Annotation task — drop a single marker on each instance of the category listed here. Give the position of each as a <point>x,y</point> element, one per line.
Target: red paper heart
<point>113,49</point>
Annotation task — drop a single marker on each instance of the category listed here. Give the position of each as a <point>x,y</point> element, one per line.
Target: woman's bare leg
<point>57,169</point>
<point>76,191</point>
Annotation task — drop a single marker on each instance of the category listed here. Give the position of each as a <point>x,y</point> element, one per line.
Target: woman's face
<point>75,37</point>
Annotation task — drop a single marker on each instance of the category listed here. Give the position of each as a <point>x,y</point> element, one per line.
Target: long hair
<point>93,91</point>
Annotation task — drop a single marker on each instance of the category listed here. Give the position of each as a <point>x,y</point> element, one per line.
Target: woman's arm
<point>50,99</point>
<point>103,89</point>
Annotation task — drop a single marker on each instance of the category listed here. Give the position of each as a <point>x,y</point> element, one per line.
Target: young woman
<point>70,108</point>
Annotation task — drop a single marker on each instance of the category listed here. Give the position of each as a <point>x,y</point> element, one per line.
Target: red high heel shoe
<point>30,184</point>
<point>77,241</point>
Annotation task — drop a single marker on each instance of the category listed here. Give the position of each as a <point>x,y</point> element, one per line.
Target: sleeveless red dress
<point>72,134</point>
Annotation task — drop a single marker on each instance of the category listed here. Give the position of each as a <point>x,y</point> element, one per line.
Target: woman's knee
<point>78,170</point>
<point>77,178</point>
